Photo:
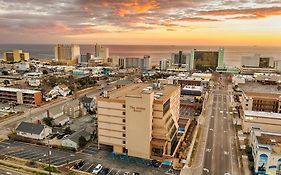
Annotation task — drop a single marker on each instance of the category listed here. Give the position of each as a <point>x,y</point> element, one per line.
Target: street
<point>7,171</point>
<point>217,152</point>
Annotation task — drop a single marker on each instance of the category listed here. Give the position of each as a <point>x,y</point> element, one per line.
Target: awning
<point>167,163</point>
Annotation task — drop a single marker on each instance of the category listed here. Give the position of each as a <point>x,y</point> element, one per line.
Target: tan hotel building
<point>140,120</point>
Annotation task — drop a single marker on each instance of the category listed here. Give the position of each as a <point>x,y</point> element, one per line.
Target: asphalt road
<point>8,171</point>
<point>220,151</point>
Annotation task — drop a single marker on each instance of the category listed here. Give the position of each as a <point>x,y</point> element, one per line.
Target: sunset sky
<point>172,22</point>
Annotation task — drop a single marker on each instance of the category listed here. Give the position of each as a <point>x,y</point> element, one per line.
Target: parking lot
<point>186,112</point>
<point>38,154</point>
<point>117,165</point>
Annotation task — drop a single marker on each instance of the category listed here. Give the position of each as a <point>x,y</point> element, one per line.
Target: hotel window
<point>124,127</point>
<point>124,142</point>
<point>124,135</point>
<point>124,106</point>
<point>166,107</point>
<point>124,113</point>
<point>124,120</point>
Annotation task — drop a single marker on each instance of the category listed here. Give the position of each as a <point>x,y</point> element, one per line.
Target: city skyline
<point>202,22</point>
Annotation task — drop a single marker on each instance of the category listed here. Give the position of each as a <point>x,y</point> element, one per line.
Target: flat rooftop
<point>259,89</point>
<point>138,89</point>
<point>26,91</point>
<point>262,114</point>
<point>272,139</point>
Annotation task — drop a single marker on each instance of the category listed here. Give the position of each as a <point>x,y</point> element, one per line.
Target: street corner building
<point>140,120</point>
<point>266,149</point>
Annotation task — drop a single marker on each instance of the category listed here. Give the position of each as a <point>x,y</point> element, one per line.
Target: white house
<point>73,140</point>
<point>33,131</point>
<point>62,89</point>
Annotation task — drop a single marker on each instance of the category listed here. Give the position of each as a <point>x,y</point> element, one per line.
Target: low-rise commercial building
<point>192,90</point>
<point>267,121</point>
<point>266,102</point>
<point>140,120</point>
<point>266,150</point>
<point>20,96</point>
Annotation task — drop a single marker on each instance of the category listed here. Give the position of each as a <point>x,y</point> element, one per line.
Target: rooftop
<point>193,88</point>
<point>75,136</point>
<point>272,139</point>
<point>30,128</point>
<point>138,89</point>
<point>258,88</point>
<point>262,114</point>
<point>26,91</point>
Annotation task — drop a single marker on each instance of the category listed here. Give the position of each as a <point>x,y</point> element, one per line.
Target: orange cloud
<point>133,7</point>
<point>247,13</point>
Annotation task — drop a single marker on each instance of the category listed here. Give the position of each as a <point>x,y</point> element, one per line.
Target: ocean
<point>232,53</point>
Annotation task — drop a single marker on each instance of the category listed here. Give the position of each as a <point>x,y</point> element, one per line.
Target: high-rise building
<point>68,54</point>
<point>140,120</point>
<point>180,60</point>
<point>84,58</point>
<point>102,52</point>
<point>257,61</point>
<point>163,64</point>
<point>15,56</point>
<point>207,60</point>
<point>147,62</point>
<point>135,62</point>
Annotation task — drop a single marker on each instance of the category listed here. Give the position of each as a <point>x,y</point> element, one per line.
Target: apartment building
<point>266,150</point>
<point>256,101</point>
<point>20,96</point>
<point>140,120</point>
<point>15,56</point>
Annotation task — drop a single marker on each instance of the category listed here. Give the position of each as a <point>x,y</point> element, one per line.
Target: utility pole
<point>49,157</point>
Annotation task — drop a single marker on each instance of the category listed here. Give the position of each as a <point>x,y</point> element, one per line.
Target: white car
<point>97,169</point>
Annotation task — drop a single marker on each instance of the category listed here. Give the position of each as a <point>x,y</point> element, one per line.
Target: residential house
<point>74,109</point>
<point>62,89</point>
<point>33,131</point>
<point>88,103</point>
<point>73,140</point>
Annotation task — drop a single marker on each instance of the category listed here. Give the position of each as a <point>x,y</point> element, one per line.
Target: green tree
<point>6,82</point>
<point>4,72</point>
<point>45,71</point>
<point>48,121</point>
<point>67,130</point>
<point>82,141</point>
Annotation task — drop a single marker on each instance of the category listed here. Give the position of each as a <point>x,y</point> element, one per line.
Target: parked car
<point>65,136</point>
<point>79,164</point>
<point>126,173</point>
<point>97,169</point>
<point>136,173</point>
<point>155,163</point>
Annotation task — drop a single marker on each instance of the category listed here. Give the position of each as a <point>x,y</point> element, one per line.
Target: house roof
<point>30,128</point>
<point>86,99</point>
<point>75,136</point>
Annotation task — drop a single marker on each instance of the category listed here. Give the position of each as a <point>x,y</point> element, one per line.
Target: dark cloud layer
<point>78,17</point>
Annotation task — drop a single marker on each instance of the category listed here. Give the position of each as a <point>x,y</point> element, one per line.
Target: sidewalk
<point>245,165</point>
<point>196,167</point>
